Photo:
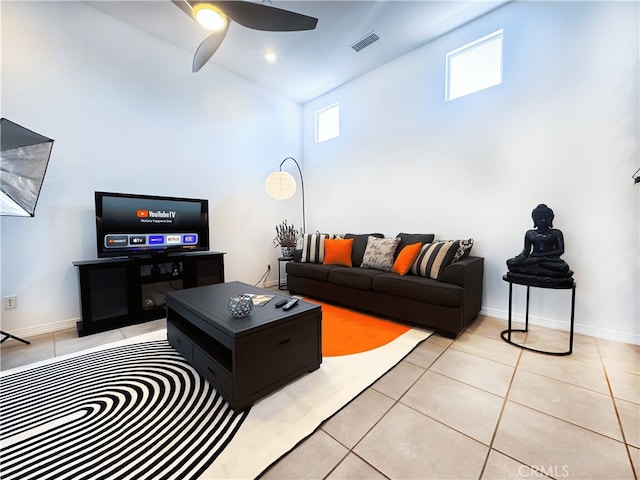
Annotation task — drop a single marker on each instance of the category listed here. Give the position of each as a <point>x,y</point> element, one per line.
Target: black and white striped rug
<point>135,411</point>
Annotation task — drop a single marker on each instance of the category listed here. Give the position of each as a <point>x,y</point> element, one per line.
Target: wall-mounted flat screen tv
<point>135,225</point>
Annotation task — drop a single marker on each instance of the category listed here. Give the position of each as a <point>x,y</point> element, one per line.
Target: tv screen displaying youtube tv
<point>129,224</point>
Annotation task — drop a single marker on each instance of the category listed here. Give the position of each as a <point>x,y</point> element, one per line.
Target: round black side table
<point>282,283</point>
<point>506,334</point>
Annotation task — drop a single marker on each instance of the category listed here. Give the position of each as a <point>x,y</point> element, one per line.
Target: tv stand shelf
<point>116,292</point>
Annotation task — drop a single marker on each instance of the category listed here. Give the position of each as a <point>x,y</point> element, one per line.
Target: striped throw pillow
<point>433,258</point>
<point>313,247</point>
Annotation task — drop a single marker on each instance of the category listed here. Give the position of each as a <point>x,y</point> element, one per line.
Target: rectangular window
<point>328,123</point>
<point>475,66</point>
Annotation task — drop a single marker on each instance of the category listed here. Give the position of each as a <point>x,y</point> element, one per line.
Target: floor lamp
<point>281,186</point>
<point>24,156</point>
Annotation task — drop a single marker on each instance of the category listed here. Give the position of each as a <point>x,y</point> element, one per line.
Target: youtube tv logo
<point>143,213</point>
<point>114,241</point>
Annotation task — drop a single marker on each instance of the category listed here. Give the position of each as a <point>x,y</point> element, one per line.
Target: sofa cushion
<point>337,251</point>
<point>419,288</point>
<point>380,253</point>
<point>360,245</point>
<point>433,258</point>
<point>409,238</point>
<point>405,258</point>
<point>361,278</point>
<point>314,271</point>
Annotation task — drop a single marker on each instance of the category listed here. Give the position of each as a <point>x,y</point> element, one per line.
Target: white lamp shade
<point>280,185</point>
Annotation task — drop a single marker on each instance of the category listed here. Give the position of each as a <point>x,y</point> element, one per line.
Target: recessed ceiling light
<point>270,56</point>
<point>210,18</point>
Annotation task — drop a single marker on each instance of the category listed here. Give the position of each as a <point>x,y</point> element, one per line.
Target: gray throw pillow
<point>360,245</point>
<point>380,253</point>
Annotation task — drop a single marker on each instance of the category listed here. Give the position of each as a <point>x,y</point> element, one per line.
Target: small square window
<point>328,123</point>
<point>475,66</point>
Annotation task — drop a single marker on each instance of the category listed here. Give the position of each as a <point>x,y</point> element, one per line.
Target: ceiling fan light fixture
<point>251,15</point>
<point>210,18</point>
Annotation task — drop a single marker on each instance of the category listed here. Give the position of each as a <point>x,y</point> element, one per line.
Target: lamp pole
<point>302,186</point>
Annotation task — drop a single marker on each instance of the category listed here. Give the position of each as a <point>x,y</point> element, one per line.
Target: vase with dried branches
<point>286,238</point>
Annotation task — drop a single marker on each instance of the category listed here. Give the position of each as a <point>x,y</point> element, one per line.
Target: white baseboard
<point>271,283</point>
<point>46,328</point>
<point>597,332</point>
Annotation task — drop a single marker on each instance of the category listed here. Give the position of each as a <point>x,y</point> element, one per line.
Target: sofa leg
<point>448,334</point>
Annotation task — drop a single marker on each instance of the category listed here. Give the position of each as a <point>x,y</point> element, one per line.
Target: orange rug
<point>345,332</point>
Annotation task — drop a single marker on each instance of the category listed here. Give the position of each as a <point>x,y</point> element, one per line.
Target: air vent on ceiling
<point>365,41</point>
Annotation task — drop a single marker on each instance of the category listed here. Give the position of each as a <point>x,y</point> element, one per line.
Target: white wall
<point>561,130</point>
<point>127,115</point>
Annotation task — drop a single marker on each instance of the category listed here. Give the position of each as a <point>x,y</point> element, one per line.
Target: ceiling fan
<point>216,16</point>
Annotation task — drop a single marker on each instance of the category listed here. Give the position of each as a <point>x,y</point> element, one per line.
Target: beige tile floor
<point>471,408</point>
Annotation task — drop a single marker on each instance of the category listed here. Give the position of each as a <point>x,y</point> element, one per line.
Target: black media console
<point>117,292</point>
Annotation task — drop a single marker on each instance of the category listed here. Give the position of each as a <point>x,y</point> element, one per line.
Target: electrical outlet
<point>269,268</point>
<point>10,301</point>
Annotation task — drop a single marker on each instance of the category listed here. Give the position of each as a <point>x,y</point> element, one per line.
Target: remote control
<point>291,303</point>
<point>281,302</point>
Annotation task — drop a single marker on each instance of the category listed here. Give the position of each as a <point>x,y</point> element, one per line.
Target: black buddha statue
<point>539,263</point>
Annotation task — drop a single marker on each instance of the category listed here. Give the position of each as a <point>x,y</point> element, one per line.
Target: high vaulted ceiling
<point>310,63</point>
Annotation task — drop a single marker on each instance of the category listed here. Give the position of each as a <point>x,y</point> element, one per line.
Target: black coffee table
<point>247,358</point>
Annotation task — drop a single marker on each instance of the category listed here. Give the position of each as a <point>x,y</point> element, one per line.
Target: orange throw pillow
<point>405,258</point>
<point>337,251</point>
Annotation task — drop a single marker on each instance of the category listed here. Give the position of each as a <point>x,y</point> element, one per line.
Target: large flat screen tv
<point>140,225</point>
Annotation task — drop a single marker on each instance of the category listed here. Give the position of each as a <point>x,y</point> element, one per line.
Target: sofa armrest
<point>465,273</point>
<point>469,274</point>
<point>297,255</point>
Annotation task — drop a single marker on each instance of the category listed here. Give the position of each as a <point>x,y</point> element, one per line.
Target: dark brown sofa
<point>447,305</point>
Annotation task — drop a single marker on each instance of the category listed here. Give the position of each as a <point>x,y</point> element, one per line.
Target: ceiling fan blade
<point>262,17</point>
<point>185,7</point>
<point>208,47</point>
